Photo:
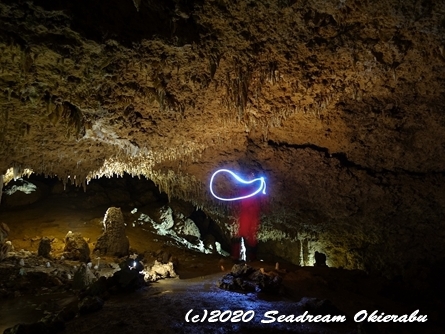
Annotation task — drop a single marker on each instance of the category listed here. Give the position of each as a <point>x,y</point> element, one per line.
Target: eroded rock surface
<point>76,248</point>
<point>45,248</point>
<point>340,103</point>
<point>158,271</point>
<point>243,277</point>
<point>113,241</point>
<point>4,245</point>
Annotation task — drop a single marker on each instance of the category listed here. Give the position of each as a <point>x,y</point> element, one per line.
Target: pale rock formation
<point>113,240</point>
<point>186,228</point>
<point>159,271</point>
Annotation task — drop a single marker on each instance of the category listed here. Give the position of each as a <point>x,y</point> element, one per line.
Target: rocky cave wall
<point>339,103</point>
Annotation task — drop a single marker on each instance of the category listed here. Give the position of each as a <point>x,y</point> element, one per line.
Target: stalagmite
<point>113,241</point>
<point>279,105</point>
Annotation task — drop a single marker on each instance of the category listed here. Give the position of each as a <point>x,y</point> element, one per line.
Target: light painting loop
<point>262,187</point>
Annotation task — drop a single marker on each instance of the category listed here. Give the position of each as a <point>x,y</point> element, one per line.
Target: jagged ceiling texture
<point>339,103</point>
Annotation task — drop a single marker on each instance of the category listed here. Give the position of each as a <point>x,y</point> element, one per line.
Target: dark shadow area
<point>130,21</point>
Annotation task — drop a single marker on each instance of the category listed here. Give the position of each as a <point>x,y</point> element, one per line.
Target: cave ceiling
<point>340,103</point>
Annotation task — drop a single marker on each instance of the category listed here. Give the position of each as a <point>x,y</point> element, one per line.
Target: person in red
<point>248,222</point>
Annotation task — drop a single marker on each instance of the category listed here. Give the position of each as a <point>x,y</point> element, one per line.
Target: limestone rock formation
<point>4,232</point>
<point>76,248</point>
<point>163,256</point>
<point>339,103</point>
<point>21,192</point>
<point>83,277</point>
<point>158,271</point>
<point>166,220</point>
<point>4,245</point>
<point>113,240</point>
<point>246,278</point>
<point>186,228</point>
<point>45,247</point>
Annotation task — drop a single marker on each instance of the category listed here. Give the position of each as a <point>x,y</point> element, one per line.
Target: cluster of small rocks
<point>182,229</point>
<point>128,278</point>
<point>35,273</point>
<point>89,290</point>
<point>25,273</point>
<point>243,277</point>
<point>88,281</point>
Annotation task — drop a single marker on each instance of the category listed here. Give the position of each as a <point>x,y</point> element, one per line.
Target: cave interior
<point>122,111</point>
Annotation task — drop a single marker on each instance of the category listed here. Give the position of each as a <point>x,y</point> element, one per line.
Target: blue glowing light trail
<point>261,188</point>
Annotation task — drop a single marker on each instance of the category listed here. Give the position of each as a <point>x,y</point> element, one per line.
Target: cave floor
<point>161,307</point>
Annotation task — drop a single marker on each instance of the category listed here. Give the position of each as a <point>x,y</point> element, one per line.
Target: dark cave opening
<point>131,194</point>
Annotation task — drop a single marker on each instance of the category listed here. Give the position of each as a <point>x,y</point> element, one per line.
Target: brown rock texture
<point>76,248</point>
<point>4,246</point>
<point>45,248</point>
<point>113,241</point>
<point>339,103</point>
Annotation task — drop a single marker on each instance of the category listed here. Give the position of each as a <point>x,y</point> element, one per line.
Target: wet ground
<point>170,305</point>
<point>16,310</point>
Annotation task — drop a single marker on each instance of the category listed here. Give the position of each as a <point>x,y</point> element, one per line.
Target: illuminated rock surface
<point>113,240</point>
<point>338,103</point>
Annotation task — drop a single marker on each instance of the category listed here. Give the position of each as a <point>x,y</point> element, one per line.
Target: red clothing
<point>249,219</point>
<point>249,213</point>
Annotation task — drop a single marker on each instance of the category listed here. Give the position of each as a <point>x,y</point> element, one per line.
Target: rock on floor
<point>246,278</point>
